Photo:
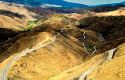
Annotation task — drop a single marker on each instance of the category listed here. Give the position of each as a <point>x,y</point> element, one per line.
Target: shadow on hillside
<point>8,37</point>
<point>6,34</point>
<point>11,14</point>
<point>111,27</point>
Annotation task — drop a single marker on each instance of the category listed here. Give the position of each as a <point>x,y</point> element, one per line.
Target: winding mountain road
<point>17,56</point>
<point>83,76</point>
<point>109,57</point>
<point>94,50</point>
<point>85,48</point>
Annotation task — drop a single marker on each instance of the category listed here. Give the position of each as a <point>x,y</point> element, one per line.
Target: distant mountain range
<point>107,7</point>
<point>123,2</point>
<point>48,3</point>
<point>60,4</point>
<point>113,4</point>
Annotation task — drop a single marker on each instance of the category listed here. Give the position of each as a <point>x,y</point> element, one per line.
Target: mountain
<point>123,3</point>
<point>112,4</point>
<point>15,17</point>
<point>54,46</point>
<point>45,3</point>
<point>59,49</point>
<point>107,7</point>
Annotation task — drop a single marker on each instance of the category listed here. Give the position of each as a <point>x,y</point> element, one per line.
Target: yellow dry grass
<point>111,70</point>
<point>118,12</point>
<point>47,61</point>
<point>15,23</point>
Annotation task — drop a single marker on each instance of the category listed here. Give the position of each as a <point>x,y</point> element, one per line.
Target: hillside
<point>90,13</point>
<point>61,46</point>
<point>117,12</point>
<point>47,3</point>
<point>14,16</point>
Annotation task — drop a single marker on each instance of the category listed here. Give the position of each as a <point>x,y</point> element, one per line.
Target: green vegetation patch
<point>32,24</point>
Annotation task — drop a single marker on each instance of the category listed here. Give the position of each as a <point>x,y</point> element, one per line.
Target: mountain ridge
<point>34,3</point>
<point>112,4</point>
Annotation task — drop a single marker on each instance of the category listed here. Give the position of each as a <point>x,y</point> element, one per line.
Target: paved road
<point>111,54</point>
<point>83,76</point>
<point>109,57</point>
<point>17,56</point>
<point>94,50</point>
<point>85,48</point>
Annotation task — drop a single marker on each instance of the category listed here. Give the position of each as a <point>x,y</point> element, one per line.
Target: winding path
<point>17,56</point>
<point>109,57</point>
<point>83,76</point>
<point>85,48</point>
<point>94,50</point>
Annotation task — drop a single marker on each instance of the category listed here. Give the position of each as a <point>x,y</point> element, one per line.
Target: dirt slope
<point>14,16</point>
<point>61,50</point>
<point>113,69</point>
<point>118,12</point>
<point>64,53</point>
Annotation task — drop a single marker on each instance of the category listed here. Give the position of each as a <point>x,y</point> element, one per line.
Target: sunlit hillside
<point>71,43</point>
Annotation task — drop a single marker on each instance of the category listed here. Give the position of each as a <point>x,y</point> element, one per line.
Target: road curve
<point>83,76</point>
<point>111,54</point>
<point>17,56</point>
<point>109,57</point>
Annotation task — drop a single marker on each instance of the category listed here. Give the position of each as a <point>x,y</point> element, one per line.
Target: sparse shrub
<point>32,24</point>
<point>90,48</point>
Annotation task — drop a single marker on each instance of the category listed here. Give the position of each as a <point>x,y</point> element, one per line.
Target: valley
<point>73,44</point>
